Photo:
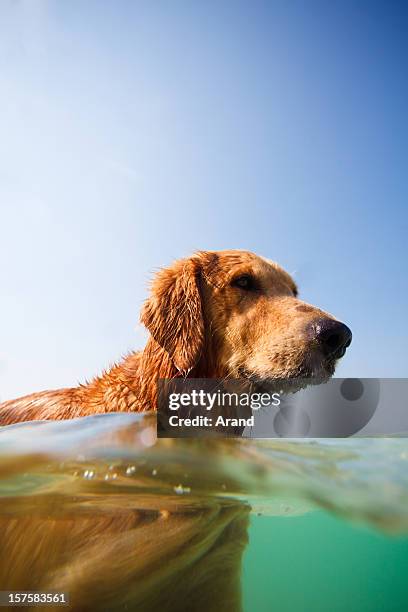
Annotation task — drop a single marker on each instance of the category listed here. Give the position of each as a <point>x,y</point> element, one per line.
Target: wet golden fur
<point>200,325</point>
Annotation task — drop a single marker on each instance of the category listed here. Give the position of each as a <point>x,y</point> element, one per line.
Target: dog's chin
<point>310,372</point>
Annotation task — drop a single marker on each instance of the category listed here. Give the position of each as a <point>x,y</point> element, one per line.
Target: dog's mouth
<point>315,369</point>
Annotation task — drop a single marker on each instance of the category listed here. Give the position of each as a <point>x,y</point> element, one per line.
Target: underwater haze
<point>96,507</point>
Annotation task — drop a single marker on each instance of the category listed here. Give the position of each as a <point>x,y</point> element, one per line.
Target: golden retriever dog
<point>226,314</point>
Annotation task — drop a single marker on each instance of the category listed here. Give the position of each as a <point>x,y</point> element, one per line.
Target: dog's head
<point>235,314</point>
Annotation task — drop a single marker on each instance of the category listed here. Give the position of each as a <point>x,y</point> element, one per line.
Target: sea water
<point>100,509</point>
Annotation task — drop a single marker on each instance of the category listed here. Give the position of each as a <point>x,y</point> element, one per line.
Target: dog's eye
<point>245,281</point>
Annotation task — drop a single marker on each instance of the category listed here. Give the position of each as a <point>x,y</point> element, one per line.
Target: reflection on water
<point>96,507</point>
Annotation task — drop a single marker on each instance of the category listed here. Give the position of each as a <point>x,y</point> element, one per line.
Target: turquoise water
<point>319,562</point>
<point>97,507</point>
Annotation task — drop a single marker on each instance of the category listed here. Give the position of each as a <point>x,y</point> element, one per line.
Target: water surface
<point>97,507</point>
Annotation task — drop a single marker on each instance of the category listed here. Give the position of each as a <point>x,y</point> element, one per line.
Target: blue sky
<point>133,133</point>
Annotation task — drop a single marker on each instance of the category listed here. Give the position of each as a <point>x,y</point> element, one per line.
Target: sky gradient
<point>133,133</point>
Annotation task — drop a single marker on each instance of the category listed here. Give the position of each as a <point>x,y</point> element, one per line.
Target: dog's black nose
<point>333,336</point>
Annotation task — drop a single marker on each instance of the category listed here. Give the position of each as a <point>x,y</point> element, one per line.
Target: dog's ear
<point>173,313</point>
